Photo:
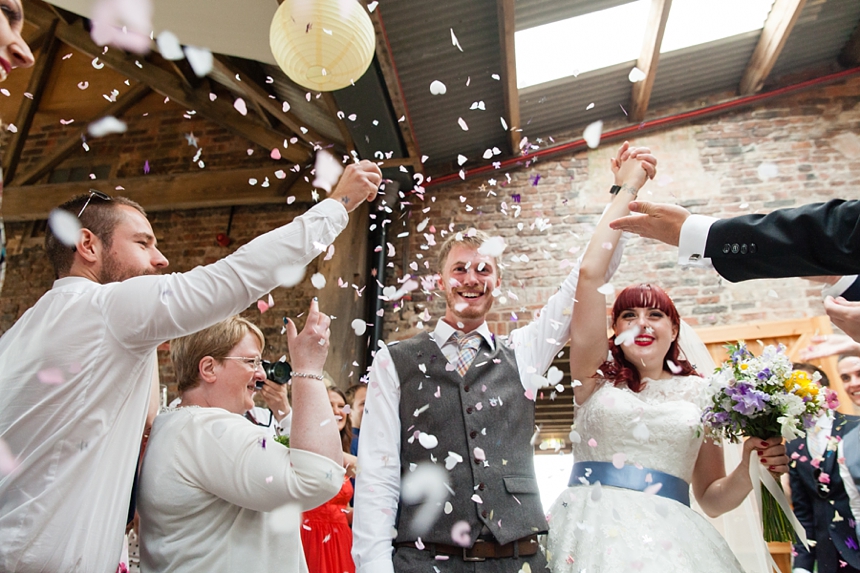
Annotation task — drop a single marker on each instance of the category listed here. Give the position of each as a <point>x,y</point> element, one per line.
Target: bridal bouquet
<point>763,397</point>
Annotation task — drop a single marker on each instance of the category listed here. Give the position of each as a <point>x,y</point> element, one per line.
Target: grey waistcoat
<point>484,411</point>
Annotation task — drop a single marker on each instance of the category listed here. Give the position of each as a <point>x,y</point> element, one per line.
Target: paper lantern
<point>322,45</point>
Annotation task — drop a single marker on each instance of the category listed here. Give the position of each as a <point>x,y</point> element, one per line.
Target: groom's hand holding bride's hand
<point>771,453</point>
<point>624,162</point>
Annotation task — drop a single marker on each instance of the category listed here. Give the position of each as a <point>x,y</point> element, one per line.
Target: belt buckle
<point>472,558</point>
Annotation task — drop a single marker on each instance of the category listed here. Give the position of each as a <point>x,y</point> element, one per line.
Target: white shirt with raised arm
<point>378,483</point>
<point>75,378</point>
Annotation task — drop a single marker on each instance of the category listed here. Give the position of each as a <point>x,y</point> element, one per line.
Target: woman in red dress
<point>326,530</point>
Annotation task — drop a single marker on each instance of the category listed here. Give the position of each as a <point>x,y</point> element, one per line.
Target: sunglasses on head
<point>97,195</point>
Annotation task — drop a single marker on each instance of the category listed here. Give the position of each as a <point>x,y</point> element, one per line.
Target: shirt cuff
<point>693,239</point>
<point>839,287</point>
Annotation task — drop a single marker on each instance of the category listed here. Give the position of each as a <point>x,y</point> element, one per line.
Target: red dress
<point>327,537</point>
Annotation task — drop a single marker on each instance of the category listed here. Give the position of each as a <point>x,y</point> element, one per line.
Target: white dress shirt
<point>212,498</point>
<point>75,377</point>
<point>378,483</point>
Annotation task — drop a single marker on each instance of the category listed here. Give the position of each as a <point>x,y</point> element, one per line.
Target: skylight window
<point>614,36</point>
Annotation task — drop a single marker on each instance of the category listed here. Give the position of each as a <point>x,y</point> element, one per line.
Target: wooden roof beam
<point>334,110</point>
<point>196,190</point>
<point>507,29</point>
<point>166,83</point>
<point>781,20</point>
<point>850,54</point>
<point>261,98</point>
<point>392,84</point>
<point>649,57</point>
<point>29,106</point>
<point>65,148</point>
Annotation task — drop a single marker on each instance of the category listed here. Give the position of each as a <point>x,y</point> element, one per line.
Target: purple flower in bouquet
<point>747,399</point>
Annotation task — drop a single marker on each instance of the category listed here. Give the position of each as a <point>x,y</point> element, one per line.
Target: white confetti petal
<point>106,126</point>
<point>200,60</point>
<point>606,289</point>
<point>627,336</point>
<point>463,124</point>
<point>636,75</point>
<point>493,247</point>
<point>168,45</point>
<point>592,134</point>
<point>429,441</point>
<point>359,326</point>
<point>438,88</point>
<point>290,276</point>
<point>427,486</point>
<point>65,226</point>
<point>327,171</point>
<point>318,280</point>
<point>767,171</point>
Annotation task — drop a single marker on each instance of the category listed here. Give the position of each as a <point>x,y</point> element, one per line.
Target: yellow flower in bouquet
<point>801,384</point>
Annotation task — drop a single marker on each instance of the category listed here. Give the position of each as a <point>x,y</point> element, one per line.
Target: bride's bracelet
<point>306,375</point>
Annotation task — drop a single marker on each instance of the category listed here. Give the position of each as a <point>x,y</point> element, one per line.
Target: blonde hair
<point>215,341</point>
<point>472,238</point>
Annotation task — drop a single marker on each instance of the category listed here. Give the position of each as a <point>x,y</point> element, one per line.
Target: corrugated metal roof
<point>532,13</point>
<point>559,106</point>
<point>702,70</point>
<point>421,44</point>
<point>821,32</point>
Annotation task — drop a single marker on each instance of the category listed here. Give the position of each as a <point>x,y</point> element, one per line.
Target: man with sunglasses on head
<point>76,368</point>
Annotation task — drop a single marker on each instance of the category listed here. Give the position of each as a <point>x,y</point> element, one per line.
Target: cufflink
<point>695,257</point>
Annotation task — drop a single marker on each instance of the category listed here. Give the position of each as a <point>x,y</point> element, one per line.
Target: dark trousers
<point>410,560</point>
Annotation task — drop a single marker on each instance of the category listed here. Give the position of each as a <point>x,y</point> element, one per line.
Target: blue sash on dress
<point>631,477</point>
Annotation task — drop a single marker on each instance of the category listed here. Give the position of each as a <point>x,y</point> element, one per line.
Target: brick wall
<point>720,166</point>
<point>711,166</point>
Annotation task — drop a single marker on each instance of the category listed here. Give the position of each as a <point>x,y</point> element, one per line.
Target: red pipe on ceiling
<point>654,124</point>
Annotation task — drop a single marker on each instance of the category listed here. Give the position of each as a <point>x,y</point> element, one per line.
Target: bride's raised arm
<point>588,346</point>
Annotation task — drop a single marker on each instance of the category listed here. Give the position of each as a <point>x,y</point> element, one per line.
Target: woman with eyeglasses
<point>14,53</point>
<point>218,493</point>
<point>326,533</point>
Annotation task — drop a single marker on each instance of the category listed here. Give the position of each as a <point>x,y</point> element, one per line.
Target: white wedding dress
<point>604,529</point>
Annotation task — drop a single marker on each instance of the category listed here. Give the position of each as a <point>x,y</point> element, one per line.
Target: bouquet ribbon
<point>759,477</point>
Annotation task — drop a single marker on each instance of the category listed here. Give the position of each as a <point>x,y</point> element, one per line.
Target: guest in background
<point>326,533</point>
<point>217,493</point>
<point>356,396</point>
<point>278,414</point>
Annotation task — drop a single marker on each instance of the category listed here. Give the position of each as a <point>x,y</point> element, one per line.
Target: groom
<point>464,396</point>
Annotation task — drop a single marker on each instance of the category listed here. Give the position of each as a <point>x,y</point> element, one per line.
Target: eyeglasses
<point>97,195</point>
<point>254,363</point>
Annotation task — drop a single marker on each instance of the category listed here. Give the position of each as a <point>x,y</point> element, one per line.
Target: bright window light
<point>614,36</point>
<point>694,22</point>
<point>552,472</point>
<point>581,44</point>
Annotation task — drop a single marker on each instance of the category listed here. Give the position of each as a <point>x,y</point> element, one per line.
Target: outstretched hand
<point>824,345</point>
<point>309,348</point>
<point>845,314</point>
<point>659,221</point>
<point>359,182</point>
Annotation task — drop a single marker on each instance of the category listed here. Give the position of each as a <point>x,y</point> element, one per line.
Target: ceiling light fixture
<point>322,45</point>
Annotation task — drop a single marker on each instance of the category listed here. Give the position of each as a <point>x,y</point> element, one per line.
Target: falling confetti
<point>636,75</point>
<point>125,24</point>
<point>628,336</point>
<point>169,46</point>
<point>240,106</point>
<point>592,134</point>
<point>429,441</point>
<point>438,88</point>
<point>65,226</point>
<point>359,326</point>
<point>767,171</point>
<point>8,462</point>
<point>493,247</point>
<point>106,126</point>
<point>455,41</point>
<point>290,276</point>
<point>318,281</point>
<point>52,376</point>
<point>200,60</point>
<point>463,124</point>
<point>427,486</point>
<point>327,171</point>
<point>606,289</point>
<point>460,534</point>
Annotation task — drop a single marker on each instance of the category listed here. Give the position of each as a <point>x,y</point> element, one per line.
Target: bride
<point>638,441</point>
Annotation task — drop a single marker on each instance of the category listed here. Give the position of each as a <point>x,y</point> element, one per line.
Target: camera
<point>277,372</point>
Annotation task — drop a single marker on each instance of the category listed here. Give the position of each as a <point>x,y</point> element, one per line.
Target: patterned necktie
<point>468,345</point>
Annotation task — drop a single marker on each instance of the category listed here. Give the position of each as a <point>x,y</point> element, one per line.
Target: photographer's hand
<point>276,399</point>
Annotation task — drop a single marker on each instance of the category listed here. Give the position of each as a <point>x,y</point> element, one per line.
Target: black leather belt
<point>482,549</point>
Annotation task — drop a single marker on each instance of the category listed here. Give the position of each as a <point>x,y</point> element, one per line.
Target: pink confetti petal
<point>460,534</point>
<point>618,460</point>
<point>276,154</point>
<point>240,106</point>
<point>51,376</point>
<point>262,306</point>
<point>592,443</point>
<point>8,462</point>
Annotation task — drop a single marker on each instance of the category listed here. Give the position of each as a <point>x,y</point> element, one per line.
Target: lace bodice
<point>659,428</point>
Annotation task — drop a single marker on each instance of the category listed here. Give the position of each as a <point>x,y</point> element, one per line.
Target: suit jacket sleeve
<point>815,239</point>
<point>802,504</point>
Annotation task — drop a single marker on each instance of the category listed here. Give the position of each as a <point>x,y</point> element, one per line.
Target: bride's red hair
<point>619,370</point>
